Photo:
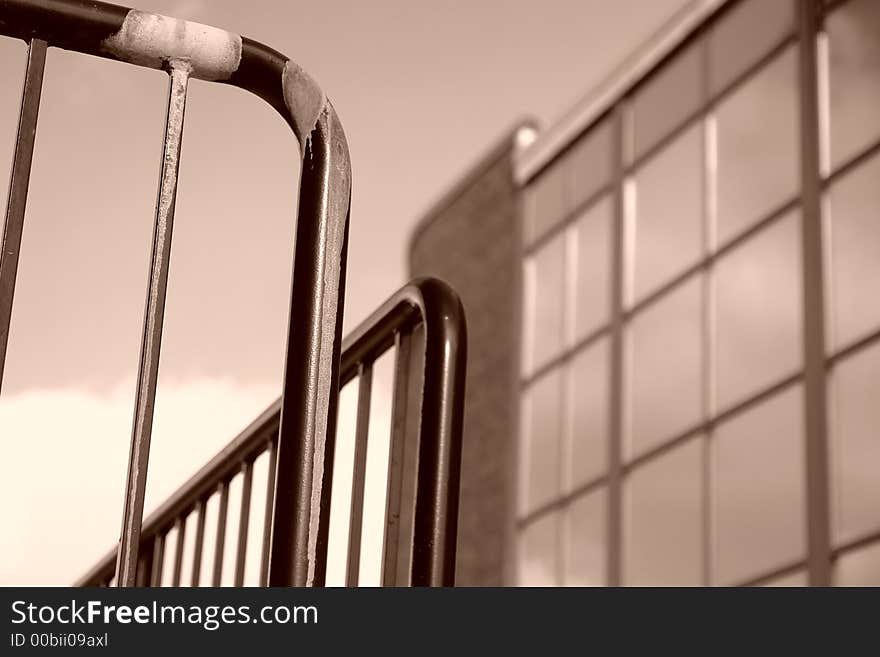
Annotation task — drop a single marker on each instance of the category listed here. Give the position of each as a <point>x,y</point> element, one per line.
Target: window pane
<point>859,568</point>
<point>798,578</point>
<point>759,489</point>
<point>743,36</point>
<point>588,404</point>
<point>538,560</point>
<point>590,240</point>
<point>759,300</point>
<point>588,165</point>
<point>542,430</point>
<point>666,366</point>
<point>669,212</point>
<point>664,531</point>
<point>586,550</point>
<point>546,205</point>
<point>855,253</point>
<point>855,434</point>
<point>758,151</point>
<point>545,293</point>
<point>854,82</point>
<point>668,98</point>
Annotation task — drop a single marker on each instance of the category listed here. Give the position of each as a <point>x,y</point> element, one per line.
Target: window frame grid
<point>820,554</point>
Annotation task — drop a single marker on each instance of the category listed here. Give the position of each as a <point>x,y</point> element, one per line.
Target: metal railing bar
<point>267,516</point>
<point>359,471</point>
<point>180,526</point>
<point>247,475</point>
<point>145,566</point>
<point>18,187</point>
<point>249,444</point>
<point>308,400</point>
<point>158,560</point>
<point>221,533</point>
<point>151,341</point>
<point>425,306</point>
<point>395,547</point>
<point>200,540</point>
<point>440,435</point>
<point>412,445</point>
<point>322,541</point>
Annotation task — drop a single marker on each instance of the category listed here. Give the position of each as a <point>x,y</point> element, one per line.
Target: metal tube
<point>311,367</point>
<point>241,554</point>
<point>180,526</point>
<point>158,560</point>
<point>440,436</point>
<point>401,418</point>
<point>359,471</point>
<point>221,533</point>
<point>200,540</point>
<point>267,517</point>
<point>18,187</point>
<point>148,368</point>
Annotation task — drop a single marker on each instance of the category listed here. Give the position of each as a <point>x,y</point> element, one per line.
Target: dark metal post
<point>358,475</point>
<point>440,437</point>
<point>18,187</point>
<point>397,558</point>
<point>148,368</point>
<point>312,357</point>
<point>267,517</point>
<point>247,475</point>
<point>201,508</point>
<point>220,542</point>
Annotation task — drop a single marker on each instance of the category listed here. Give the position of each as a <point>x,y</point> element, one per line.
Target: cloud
<point>62,477</point>
<point>63,472</point>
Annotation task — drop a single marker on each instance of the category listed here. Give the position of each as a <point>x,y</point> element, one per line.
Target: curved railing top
<point>156,41</point>
<point>186,49</point>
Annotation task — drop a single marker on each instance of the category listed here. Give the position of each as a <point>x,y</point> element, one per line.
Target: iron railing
<point>424,324</point>
<point>306,411</point>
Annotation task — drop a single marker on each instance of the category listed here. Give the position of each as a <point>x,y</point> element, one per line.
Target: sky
<point>422,90</point>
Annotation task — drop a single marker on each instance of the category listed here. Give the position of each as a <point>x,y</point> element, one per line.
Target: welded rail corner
<point>153,40</point>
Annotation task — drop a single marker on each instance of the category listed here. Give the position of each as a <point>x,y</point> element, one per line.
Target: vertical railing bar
<point>148,367</point>
<point>200,540</point>
<point>241,554</point>
<point>158,559</point>
<point>18,187</point>
<point>401,420</point>
<point>411,484</point>
<point>221,533</point>
<point>145,566</point>
<point>359,471</point>
<point>180,526</point>
<point>304,462</point>
<point>267,517</point>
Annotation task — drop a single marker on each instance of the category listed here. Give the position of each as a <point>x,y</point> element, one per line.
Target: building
<point>672,298</point>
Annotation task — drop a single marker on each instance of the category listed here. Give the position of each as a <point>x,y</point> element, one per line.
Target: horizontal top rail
<point>424,301</point>
<point>156,41</point>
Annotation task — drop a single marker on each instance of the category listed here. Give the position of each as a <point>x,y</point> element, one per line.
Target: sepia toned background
<point>638,404</point>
